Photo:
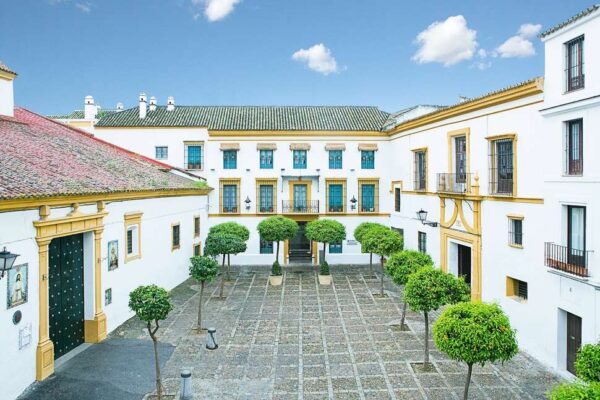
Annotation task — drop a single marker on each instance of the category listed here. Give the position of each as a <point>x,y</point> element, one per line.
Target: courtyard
<point>303,340</point>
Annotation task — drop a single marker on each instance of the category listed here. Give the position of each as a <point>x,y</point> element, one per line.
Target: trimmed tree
<point>401,265</point>
<point>203,269</point>
<point>587,363</point>
<point>429,289</point>
<point>223,244</point>
<point>277,229</point>
<point>475,333</point>
<point>152,304</point>
<point>325,231</point>
<point>384,242</point>
<point>231,228</point>
<point>359,233</point>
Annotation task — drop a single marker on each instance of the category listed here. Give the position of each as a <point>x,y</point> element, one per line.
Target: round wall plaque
<point>17,317</point>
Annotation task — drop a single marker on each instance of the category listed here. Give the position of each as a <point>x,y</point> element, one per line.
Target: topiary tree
<point>325,231</point>
<point>359,233</point>
<point>384,242</point>
<point>587,363</point>
<point>223,244</point>
<point>575,391</point>
<point>277,229</point>
<point>429,289</point>
<point>231,228</point>
<point>475,333</point>
<point>203,269</point>
<point>401,265</point>
<point>151,304</point>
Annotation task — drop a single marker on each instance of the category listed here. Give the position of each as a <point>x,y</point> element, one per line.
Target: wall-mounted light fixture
<point>7,260</point>
<point>422,216</point>
<point>248,201</point>
<point>353,202</point>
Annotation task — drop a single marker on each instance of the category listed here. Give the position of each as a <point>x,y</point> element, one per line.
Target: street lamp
<point>353,201</point>
<point>7,260</point>
<point>422,216</point>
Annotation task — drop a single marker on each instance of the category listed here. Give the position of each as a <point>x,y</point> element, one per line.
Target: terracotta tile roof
<point>40,157</point>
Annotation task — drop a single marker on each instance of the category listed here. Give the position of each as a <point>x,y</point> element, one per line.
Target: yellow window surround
<point>511,218</point>
<point>229,181</point>
<point>266,182</point>
<point>133,219</point>
<point>335,181</point>
<point>492,150</point>
<point>512,290</point>
<point>368,181</point>
<point>466,132</point>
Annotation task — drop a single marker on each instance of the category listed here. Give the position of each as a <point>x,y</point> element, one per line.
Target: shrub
<point>587,363</point>
<point>325,231</point>
<point>276,269</point>
<point>475,333</point>
<point>575,391</point>
<point>203,269</point>
<point>324,270</point>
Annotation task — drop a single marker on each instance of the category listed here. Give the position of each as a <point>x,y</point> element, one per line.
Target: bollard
<point>211,342</point>
<point>186,391</point>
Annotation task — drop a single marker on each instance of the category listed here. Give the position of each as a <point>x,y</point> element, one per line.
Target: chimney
<point>170,103</point>
<point>152,103</point>
<point>143,108</point>
<point>89,108</point>
<point>119,107</point>
<point>7,101</point>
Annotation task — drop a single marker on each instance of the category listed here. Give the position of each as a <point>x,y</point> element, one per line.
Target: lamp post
<point>422,216</point>
<point>7,260</point>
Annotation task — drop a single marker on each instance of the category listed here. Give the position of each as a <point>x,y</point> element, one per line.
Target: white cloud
<point>481,65</point>
<point>215,10</point>
<point>84,7</point>
<point>318,58</point>
<point>448,42</point>
<point>519,45</point>
<point>529,30</point>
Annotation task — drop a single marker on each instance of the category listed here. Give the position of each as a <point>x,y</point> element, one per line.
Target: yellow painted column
<point>44,356</point>
<point>477,272</point>
<point>95,330</point>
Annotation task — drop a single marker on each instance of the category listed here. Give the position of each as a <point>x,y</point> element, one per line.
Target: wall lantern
<point>211,343</point>
<point>422,215</point>
<point>7,260</point>
<point>353,201</point>
<point>248,201</point>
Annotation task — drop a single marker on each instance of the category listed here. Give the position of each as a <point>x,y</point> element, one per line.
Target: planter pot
<point>325,279</point>
<point>275,280</point>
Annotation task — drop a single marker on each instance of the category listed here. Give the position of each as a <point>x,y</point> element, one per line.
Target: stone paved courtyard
<point>303,340</point>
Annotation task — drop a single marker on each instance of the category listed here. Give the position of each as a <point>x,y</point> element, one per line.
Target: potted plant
<point>325,231</point>
<point>277,229</point>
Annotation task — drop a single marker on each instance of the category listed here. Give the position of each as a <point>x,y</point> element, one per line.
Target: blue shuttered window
<point>335,159</point>
<point>266,159</point>
<point>230,159</point>
<point>367,158</point>
<point>367,198</point>
<point>193,156</point>
<point>266,198</point>
<point>335,248</point>
<point>299,159</point>
<point>230,199</point>
<point>336,198</point>
<point>266,247</point>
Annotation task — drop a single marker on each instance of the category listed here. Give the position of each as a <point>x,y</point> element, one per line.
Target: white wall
<point>7,103</point>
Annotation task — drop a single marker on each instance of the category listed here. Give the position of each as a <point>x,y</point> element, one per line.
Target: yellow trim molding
<point>131,219</point>
<point>335,181</point>
<point>230,181</point>
<point>230,133</point>
<point>368,181</point>
<point>266,182</point>
<point>308,184</point>
<point>466,132</point>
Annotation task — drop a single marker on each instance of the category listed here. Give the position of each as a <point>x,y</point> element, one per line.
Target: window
<point>574,64</point>
<point>422,242</point>
<point>460,158</point>
<point>161,152</point>
<point>175,236</point>
<point>367,159</point>
<point>229,159</point>
<point>266,198</point>
<point>502,166</point>
<point>576,238</point>
<point>335,159</point>
<point>420,182</point>
<point>133,223</point>
<point>196,226</point>
<point>193,155</point>
<point>266,247</point>
<point>335,248</point>
<point>516,289</point>
<point>368,195</point>
<point>574,147</point>
<point>397,199</point>
<point>336,195</point>
<point>266,159</point>
<point>515,231</point>
<point>230,196</point>
<point>299,159</point>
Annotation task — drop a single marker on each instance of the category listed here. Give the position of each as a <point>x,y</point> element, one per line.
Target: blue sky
<point>384,53</point>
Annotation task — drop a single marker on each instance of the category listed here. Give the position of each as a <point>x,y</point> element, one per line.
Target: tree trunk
<point>200,306</point>
<point>324,252</point>
<point>466,394</point>
<point>426,361</point>
<point>228,266</point>
<point>156,361</point>
<point>371,265</point>
<point>403,315</point>
<point>277,253</point>
<point>382,274</point>
<point>222,279</point>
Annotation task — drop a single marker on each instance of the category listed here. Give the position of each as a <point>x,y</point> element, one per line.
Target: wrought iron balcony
<point>454,183</point>
<point>566,259</point>
<point>300,207</point>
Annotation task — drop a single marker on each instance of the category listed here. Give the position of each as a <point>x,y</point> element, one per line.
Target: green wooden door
<point>66,293</point>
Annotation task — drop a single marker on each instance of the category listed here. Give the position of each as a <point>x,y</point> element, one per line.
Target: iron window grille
<point>161,152</point>
<point>501,166</point>
<point>574,147</point>
<point>266,247</point>
<point>422,242</point>
<point>574,72</point>
<point>517,288</point>
<point>193,156</point>
<point>515,232</point>
<point>230,199</point>
<point>265,198</point>
<point>299,159</point>
<point>420,178</point>
<point>336,197</point>
<point>335,159</point>
<point>397,199</point>
<point>368,198</point>
<point>367,159</point>
<point>229,159</point>
<point>335,248</point>
<point>266,159</point>
<point>175,237</point>
<point>130,240</point>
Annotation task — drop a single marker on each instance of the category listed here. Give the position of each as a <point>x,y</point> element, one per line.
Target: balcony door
<point>576,235</point>
<point>300,197</point>
<point>460,158</point>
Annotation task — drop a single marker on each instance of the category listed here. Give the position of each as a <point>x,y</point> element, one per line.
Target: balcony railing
<point>566,259</point>
<point>300,207</point>
<point>454,183</point>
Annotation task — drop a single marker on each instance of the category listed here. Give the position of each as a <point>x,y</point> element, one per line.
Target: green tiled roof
<point>79,114</point>
<point>258,118</point>
<point>574,18</point>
